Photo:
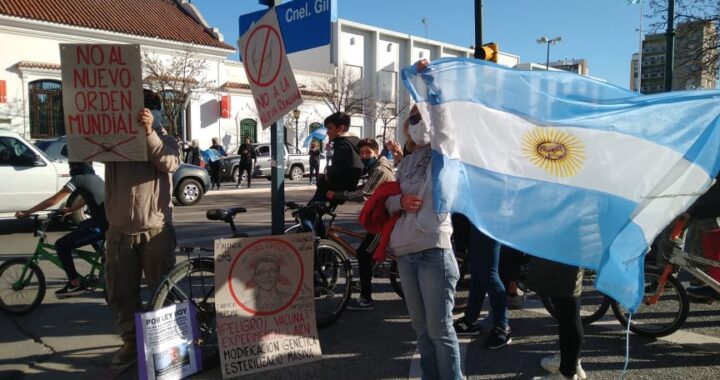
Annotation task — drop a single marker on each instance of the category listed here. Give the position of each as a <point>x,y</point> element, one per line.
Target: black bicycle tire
<point>339,257</point>
<point>41,284</point>
<point>205,312</point>
<point>677,321</point>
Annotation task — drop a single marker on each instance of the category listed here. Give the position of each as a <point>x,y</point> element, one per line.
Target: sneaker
<point>125,355</point>
<point>499,338</point>
<point>552,365</point>
<point>464,328</point>
<point>69,290</point>
<point>514,302</point>
<point>555,376</point>
<point>704,293</point>
<point>361,304</point>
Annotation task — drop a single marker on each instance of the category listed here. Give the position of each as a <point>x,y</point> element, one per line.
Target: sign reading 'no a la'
<point>102,98</point>
<point>268,70</point>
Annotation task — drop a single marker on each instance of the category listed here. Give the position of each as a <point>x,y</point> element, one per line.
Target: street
<point>74,339</point>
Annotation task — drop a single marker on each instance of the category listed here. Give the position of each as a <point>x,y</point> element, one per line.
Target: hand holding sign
<point>102,96</point>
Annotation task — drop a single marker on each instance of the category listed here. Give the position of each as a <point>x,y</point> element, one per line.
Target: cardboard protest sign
<point>272,81</point>
<point>265,304</point>
<point>166,342</point>
<point>102,98</point>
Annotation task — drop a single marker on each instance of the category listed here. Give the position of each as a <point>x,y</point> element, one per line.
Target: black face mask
<point>80,168</point>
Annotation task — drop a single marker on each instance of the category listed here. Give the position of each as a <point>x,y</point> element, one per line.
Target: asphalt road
<point>75,339</point>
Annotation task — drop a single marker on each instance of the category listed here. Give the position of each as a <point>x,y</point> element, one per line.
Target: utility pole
<point>670,45</point>
<point>478,28</point>
<point>277,165</point>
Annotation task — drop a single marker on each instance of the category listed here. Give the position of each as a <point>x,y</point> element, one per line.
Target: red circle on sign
<point>254,39</point>
<point>290,251</point>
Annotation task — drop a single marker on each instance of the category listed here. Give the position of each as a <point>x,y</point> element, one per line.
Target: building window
<point>46,110</point>
<point>387,86</point>
<point>248,128</point>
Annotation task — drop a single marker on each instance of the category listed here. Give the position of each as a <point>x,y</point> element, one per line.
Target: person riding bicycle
<point>380,170</point>
<point>91,188</point>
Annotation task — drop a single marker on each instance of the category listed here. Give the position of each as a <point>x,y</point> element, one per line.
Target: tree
<point>177,79</point>
<point>703,48</point>
<point>385,112</point>
<point>343,92</point>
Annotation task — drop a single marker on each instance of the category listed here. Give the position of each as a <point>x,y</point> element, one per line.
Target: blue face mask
<point>369,162</point>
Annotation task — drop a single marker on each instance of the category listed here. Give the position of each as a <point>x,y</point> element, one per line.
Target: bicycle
<point>331,240</point>
<point>193,280</point>
<point>666,305</point>
<point>22,282</point>
<point>332,278</point>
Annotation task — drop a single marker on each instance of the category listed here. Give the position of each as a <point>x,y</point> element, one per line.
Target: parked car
<point>28,175</point>
<point>190,182</point>
<point>297,164</point>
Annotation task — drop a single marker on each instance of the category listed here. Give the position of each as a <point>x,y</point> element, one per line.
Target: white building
<point>376,57</point>
<point>30,87</point>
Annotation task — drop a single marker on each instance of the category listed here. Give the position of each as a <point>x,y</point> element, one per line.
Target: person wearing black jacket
<point>247,159</point>
<point>707,210</point>
<point>346,168</point>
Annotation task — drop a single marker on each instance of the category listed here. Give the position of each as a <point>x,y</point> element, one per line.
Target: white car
<point>28,175</point>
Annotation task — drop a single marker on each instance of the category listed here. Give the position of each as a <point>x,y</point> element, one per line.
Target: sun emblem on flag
<point>556,151</point>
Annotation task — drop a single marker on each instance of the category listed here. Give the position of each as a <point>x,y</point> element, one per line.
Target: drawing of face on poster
<point>266,277</point>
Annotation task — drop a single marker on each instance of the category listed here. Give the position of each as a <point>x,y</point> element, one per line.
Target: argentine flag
<point>565,167</point>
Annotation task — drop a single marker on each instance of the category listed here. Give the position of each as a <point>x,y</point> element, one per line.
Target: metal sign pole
<point>277,166</point>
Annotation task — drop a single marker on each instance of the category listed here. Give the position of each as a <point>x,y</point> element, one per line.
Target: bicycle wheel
<point>593,304</point>
<point>194,281</point>
<point>662,318</point>
<point>332,281</point>
<point>22,286</point>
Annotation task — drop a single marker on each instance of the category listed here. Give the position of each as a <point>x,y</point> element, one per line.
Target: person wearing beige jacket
<point>140,237</point>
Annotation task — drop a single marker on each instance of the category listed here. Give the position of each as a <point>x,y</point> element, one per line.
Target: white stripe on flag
<point>611,158</point>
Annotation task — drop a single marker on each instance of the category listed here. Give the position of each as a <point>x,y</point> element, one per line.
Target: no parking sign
<point>268,70</point>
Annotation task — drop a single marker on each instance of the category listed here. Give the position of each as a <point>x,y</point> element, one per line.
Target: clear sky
<point>604,32</point>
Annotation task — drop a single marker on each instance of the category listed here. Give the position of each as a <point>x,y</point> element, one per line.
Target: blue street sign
<point>305,24</point>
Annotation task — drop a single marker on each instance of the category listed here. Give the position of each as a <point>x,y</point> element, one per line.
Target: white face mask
<point>419,133</point>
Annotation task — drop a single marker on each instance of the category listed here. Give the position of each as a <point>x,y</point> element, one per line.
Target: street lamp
<point>545,40</point>
<point>296,115</point>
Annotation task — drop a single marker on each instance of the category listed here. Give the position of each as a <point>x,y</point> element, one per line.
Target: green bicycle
<point>22,282</point>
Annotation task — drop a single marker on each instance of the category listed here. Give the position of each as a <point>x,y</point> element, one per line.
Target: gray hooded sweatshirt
<point>426,229</point>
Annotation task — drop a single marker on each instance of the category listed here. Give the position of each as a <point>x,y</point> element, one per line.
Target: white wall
<point>27,40</point>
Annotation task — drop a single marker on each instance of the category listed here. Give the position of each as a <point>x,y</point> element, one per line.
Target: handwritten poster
<point>265,304</point>
<point>102,98</point>
<point>166,343</point>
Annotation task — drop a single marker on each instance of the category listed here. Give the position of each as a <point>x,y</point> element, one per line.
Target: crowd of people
<point>132,212</point>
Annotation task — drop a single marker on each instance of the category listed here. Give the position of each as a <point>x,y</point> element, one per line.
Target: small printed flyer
<point>165,339</point>
<point>265,303</point>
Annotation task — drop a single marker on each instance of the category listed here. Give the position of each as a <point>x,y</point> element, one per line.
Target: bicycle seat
<point>226,215</point>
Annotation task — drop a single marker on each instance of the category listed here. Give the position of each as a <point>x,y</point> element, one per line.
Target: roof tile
<point>163,19</point>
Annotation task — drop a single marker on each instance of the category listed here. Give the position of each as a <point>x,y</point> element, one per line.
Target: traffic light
<point>489,52</point>
<point>269,3</point>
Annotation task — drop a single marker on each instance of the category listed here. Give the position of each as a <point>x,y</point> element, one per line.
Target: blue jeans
<point>428,281</point>
<point>484,257</point>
